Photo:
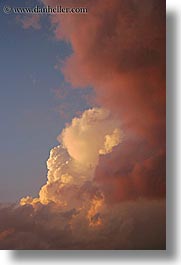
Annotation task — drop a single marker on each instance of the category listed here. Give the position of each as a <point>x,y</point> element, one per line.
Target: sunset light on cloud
<point>105,184</point>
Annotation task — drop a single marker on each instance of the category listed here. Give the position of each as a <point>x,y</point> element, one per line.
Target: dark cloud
<point>133,225</point>
<point>127,175</point>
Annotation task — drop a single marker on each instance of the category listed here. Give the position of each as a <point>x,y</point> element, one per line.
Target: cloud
<point>124,176</point>
<point>72,163</point>
<point>96,132</point>
<point>133,225</point>
<point>30,21</point>
<point>88,207</point>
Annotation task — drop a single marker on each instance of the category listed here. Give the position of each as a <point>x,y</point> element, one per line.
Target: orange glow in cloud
<point>72,164</point>
<point>4,234</point>
<point>93,214</point>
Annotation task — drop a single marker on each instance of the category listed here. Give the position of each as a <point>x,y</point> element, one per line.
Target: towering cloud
<point>72,164</point>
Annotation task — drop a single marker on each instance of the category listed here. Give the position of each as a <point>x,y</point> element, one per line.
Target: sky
<point>83,135</point>
<point>34,101</point>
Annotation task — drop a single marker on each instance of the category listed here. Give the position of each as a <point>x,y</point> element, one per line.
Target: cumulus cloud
<point>72,164</point>
<point>96,132</point>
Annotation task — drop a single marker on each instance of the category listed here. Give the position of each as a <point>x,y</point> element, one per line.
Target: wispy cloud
<point>30,21</point>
